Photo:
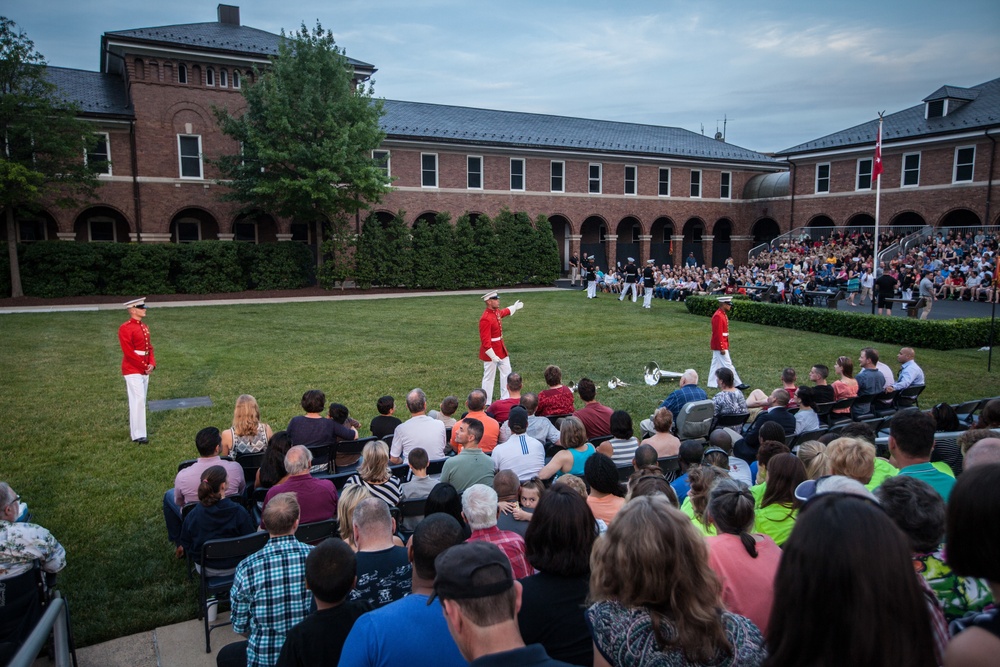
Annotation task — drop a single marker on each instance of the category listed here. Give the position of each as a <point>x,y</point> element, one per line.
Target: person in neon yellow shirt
<point>779,506</point>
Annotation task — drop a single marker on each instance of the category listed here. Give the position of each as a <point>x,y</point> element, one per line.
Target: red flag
<point>877,164</point>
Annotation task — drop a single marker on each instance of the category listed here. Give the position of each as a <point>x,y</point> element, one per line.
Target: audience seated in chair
<point>208,441</point>
<point>383,567</point>
<point>420,430</point>
<point>214,517</point>
<point>317,497</point>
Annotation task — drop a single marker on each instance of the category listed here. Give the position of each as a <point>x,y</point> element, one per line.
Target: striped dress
<point>391,491</point>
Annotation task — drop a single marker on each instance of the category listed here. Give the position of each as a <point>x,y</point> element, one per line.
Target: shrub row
<point>474,252</point>
<point>934,334</point>
<point>59,269</point>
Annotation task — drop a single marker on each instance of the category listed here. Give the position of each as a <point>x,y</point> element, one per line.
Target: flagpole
<point>877,173</point>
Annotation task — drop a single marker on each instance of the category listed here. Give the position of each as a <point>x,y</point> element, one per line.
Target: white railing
<point>55,621</point>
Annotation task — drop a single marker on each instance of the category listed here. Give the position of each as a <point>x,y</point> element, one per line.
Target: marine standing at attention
<point>492,351</point>
<point>720,343</point>
<point>137,363</point>
<point>648,277</point>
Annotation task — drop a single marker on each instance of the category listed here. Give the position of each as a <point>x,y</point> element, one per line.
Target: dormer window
<point>936,108</point>
<point>947,100</point>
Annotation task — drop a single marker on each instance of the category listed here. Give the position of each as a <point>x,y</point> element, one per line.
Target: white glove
<point>492,355</point>
<point>516,306</point>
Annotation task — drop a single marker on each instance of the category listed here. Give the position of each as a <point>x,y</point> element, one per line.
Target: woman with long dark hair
<point>606,493</point>
<point>214,517</point>
<point>779,506</point>
<point>745,562</point>
<point>846,593</point>
<point>656,600</point>
<point>558,544</point>
<point>272,467</point>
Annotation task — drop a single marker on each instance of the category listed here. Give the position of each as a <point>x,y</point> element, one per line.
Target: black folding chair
<point>733,421</point>
<point>861,409</point>
<point>317,531</point>
<point>907,398</point>
<point>833,417</point>
<point>670,465</point>
<point>349,447</point>
<point>220,554</point>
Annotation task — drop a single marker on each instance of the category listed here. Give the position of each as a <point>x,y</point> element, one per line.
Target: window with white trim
<point>182,73</point>
<point>209,76</point>
<point>664,184</point>
<point>864,178</point>
<point>517,174</point>
<point>474,172</point>
<point>189,155</point>
<point>428,170</point>
<point>99,151</point>
<point>696,183</point>
<point>630,176</point>
<point>594,179</point>
<point>823,177</point>
<point>911,170</point>
<point>236,78</point>
<point>965,162</point>
<point>557,171</point>
<point>101,229</point>
<point>726,185</point>
<point>223,78</point>
<point>187,230</point>
<point>381,159</point>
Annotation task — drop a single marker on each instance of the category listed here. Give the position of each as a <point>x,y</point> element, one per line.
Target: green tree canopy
<point>42,156</point>
<point>306,136</point>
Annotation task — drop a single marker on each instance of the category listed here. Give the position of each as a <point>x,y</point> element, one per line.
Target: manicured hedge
<point>474,252</point>
<point>934,334</point>
<point>59,269</point>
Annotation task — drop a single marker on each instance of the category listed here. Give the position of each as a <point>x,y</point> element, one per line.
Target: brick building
<point>609,189</point>
<point>938,158</point>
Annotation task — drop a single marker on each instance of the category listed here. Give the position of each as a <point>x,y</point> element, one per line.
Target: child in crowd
<point>419,486</point>
<point>385,424</point>
<point>447,413</point>
<point>528,496</point>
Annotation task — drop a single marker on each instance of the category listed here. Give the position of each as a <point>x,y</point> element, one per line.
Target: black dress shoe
<point>141,441</point>
<point>741,387</point>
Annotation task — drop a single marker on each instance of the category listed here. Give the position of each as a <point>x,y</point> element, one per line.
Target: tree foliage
<point>41,157</point>
<point>306,137</point>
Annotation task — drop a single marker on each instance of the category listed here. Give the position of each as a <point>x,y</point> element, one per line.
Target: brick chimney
<point>229,14</point>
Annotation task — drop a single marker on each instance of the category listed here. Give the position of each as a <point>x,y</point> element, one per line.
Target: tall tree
<point>42,156</point>
<point>306,137</point>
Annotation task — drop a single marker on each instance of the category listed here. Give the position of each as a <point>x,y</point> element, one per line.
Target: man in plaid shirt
<point>480,509</point>
<point>269,594</point>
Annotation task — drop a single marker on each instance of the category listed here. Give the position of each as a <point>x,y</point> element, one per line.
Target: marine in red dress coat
<point>492,351</point>
<point>138,362</point>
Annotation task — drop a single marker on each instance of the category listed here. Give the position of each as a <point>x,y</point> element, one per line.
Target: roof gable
<point>982,111</point>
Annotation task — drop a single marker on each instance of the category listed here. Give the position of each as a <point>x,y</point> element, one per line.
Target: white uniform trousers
<point>137,385</point>
<point>489,373</point>
<point>591,289</point>
<point>720,360</point>
<point>629,287</point>
<point>647,298</point>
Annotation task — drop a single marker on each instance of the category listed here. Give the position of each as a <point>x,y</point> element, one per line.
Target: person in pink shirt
<point>745,562</point>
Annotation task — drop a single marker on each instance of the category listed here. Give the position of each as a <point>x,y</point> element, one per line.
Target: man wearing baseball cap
<point>492,351</point>
<point>481,599</point>
<point>137,363</point>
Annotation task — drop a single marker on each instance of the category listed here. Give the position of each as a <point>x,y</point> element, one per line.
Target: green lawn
<point>64,414</point>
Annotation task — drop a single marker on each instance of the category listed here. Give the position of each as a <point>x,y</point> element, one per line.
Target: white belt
<point>496,339</point>
<point>726,334</point>
<point>141,353</point>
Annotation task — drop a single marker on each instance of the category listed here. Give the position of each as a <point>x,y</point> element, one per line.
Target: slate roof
<point>94,92</point>
<point>214,36</point>
<point>952,92</point>
<point>981,112</point>
<point>464,125</point>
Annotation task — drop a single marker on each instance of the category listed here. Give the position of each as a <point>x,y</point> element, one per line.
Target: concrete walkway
<point>152,303</point>
<point>179,645</point>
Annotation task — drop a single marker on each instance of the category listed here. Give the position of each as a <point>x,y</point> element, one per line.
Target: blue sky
<point>782,72</point>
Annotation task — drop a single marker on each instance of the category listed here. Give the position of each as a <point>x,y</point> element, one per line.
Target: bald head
<point>690,376</point>
<point>905,354</point>
<point>983,452</point>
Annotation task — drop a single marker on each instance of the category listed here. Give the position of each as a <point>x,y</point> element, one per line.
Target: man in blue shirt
<point>687,392</point>
<point>910,375</point>
<point>410,631</point>
<point>269,594</point>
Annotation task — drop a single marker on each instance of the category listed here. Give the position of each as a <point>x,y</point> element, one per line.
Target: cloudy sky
<point>781,71</point>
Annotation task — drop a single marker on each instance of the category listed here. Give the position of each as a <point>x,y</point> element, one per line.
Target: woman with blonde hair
<point>655,599</point>
<point>248,435</point>
<point>814,457</point>
<point>349,499</point>
<point>375,475</point>
<point>570,461</point>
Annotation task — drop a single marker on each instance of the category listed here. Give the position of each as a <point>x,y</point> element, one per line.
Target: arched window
<point>140,69</point>
<point>236,78</point>
<point>209,76</point>
<point>182,73</point>
<point>223,78</point>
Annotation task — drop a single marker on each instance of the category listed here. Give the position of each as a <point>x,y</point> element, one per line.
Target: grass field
<point>64,414</point>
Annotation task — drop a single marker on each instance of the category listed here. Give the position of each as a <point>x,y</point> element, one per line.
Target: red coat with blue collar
<point>491,329</point>
<point>134,337</point>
